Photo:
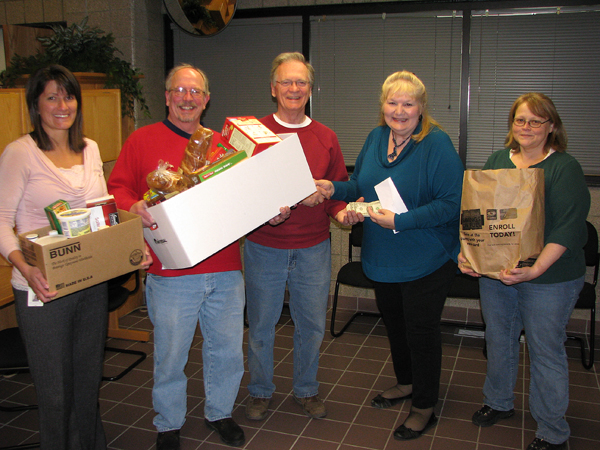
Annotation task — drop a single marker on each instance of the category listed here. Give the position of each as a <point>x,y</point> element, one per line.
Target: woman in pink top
<point>64,338</point>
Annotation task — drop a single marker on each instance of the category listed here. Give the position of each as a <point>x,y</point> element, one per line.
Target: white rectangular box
<point>201,221</point>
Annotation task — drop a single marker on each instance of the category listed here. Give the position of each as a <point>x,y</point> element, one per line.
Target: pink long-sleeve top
<point>29,182</point>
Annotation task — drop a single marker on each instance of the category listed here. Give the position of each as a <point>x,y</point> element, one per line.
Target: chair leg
<point>354,316</point>
<point>17,409</point>
<point>21,447</point>
<point>333,311</point>
<point>591,340</point>
<point>141,356</point>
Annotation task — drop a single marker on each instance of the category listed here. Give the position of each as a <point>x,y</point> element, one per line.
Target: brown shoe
<point>313,406</point>
<point>257,408</point>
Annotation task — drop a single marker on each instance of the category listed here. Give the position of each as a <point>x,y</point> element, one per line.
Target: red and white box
<point>103,212</point>
<point>248,134</point>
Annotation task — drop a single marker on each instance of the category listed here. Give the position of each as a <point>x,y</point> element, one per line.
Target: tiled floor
<point>354,368</point>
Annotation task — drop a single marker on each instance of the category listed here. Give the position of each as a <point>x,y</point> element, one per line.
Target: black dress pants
<point>411,312</point>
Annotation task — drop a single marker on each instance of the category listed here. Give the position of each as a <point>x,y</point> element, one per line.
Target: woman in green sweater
<point>538,299</point>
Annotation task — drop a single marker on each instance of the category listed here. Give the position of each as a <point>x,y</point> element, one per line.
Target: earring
<point>420,117</point>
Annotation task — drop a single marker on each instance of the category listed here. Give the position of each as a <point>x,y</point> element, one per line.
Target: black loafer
<point>380,402</point>
<point>229,431</point>
<point>486,416</point>
<point>540,444</point>
<point>168,440</point>
<point>403,433</point>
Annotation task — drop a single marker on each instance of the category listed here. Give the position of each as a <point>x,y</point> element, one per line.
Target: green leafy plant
<point>81,48</point>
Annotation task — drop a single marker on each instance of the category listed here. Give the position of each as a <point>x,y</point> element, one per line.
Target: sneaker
<point>486,416</point>
<point>257,408</point>
<point>168,440</point>
<point>540,444</point>
<point>313,406</point>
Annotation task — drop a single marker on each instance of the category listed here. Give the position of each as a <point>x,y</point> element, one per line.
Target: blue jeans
<point>543,311</point>
<point>307,272</point>
<point>175,306</point>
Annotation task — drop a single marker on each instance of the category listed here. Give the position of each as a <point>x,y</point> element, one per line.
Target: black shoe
<point>381,402</point>
<point>229,431</point>
<point>540,444</point>
<point>403,433</point>
<point>168,440</point>
<point>486,416</point>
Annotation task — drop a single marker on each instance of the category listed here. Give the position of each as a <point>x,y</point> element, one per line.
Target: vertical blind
<point>237,62</point>
<point>353,55</point>
<point>553,52</point>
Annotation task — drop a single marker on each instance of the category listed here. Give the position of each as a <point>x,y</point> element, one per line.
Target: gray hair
<point>292,56</point>
<point>179,67</point>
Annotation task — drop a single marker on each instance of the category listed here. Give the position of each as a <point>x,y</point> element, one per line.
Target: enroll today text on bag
<point>502,218</point>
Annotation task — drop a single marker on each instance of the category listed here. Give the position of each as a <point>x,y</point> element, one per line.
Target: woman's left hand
<point>384,218</point>
<point>518,275</point>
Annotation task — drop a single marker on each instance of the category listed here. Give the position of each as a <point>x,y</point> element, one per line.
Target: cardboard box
<point>248,134</point>
<point>77,263</point>
<point>208,217</point>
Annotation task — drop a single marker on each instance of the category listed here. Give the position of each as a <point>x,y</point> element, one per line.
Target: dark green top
<point>567,205</point>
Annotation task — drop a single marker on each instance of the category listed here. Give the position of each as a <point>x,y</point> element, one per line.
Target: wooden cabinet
<point>101,118</point>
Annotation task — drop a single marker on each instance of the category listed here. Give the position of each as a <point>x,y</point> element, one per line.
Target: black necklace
<point>393,155</point>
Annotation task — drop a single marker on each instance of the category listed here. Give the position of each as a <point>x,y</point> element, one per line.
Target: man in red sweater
<point>296,253</point>
<point>210,293</point>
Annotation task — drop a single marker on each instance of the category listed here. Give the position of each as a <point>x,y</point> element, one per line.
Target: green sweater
<point>567,203</point>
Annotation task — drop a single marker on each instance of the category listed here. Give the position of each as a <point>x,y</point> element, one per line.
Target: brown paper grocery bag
<point>502,219</point>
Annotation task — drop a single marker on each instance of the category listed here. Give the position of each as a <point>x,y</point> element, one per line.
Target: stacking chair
<point>13,359</point>
<point>587,296</point>
<point>351,274</point>
<point>117,296</point>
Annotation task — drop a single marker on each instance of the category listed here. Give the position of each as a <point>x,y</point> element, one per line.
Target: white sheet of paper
<point>390,197</point>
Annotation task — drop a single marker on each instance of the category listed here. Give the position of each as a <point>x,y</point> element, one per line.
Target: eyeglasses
<point>288,83</point>
<point>180,92</point>
<point>532,123</point>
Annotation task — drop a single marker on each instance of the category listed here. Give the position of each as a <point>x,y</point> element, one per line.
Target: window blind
<point>353,55</point>
<point>549,51</point>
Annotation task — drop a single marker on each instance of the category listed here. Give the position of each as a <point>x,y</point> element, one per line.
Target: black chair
<point>351,274</point>
<point>117,296</point>
<point>13,359</point>
<point>587,296</point>
<point>464,286</point>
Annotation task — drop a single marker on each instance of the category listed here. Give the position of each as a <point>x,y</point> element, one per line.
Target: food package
<point>502,219</point>
<point>164,180</point>
<point>52,210</point>
<point>103,212</point>
<point>195,157</point>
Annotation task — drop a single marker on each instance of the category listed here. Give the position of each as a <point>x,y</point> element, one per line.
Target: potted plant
<point>81,48</point>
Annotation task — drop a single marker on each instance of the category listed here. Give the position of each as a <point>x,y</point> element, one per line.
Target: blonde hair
<point>408,83</point>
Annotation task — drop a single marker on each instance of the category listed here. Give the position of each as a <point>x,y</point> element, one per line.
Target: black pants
<point>65,341</point>
<point>411,312</point>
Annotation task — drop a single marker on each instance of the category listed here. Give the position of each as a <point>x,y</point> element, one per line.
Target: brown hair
<point>542,106</point>
<point>35,88</point>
